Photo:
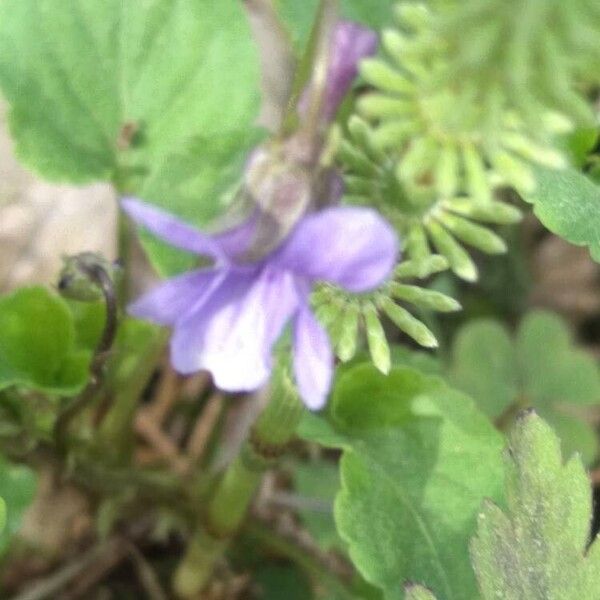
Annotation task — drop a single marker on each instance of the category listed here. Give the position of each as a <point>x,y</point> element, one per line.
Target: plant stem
<point>124,243</point>
<point>227,508</point>
<point>134,367</point>
<point>98,275</point>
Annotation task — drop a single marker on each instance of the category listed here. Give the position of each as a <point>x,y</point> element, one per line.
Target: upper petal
<point>171,300</point>
<point>236,241</point>
<point>351,43</point>
<point>171,229</point>
<point>232,333</point>
<point>313,359</point>
<point>350,246</point>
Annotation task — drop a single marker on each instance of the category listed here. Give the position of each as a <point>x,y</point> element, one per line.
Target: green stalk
<point>124,243</point>
<point>135,362</point>
<point>227,508</point>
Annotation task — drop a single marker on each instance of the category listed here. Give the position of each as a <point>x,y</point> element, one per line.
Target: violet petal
<point>171,229</point>
<point>351,43</point>
<point>349,246</point>
<point>232,333</point>
<point>236,241</point>
<point>313,359</point>
<point>171,300</point>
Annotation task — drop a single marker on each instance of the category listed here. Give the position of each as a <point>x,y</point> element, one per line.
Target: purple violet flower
<point>350,43</point>
<point>227,318</point>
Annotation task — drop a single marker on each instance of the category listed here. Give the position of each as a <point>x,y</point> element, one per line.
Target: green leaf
<point>536,549</point>
<point>418,460</point>
<point>485,366</point>
<point>98,89</point>
<point>579,144</point>
<point>17,489</point>
<point>540,369</point>
<point>88,319</point>
<point>38,343</point>
<point>317,484</point>
<point>157,97</point>
<point>568,204</point>
<point>421,361</point>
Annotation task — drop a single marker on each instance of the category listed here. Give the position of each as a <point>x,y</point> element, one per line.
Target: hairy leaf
<point>536,549</point>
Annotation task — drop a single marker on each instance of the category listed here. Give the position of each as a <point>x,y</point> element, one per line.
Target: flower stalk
<point>229,505</point>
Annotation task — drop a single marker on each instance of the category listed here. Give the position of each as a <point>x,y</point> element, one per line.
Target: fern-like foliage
<point>346,315</point>
<point>539,51</point>
<point>451,135</point>
<point>453,114</point>
<point>423,216</point>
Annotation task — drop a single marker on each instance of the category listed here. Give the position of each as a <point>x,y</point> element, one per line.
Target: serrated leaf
<point>536,549</point>
<point>540,369</point>
<point>568,204</point>
<point>38,344</point>
<point>17,489</point>
<point>418,459</point>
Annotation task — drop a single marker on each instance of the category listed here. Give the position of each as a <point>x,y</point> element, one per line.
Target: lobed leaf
<point>536,549</point>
